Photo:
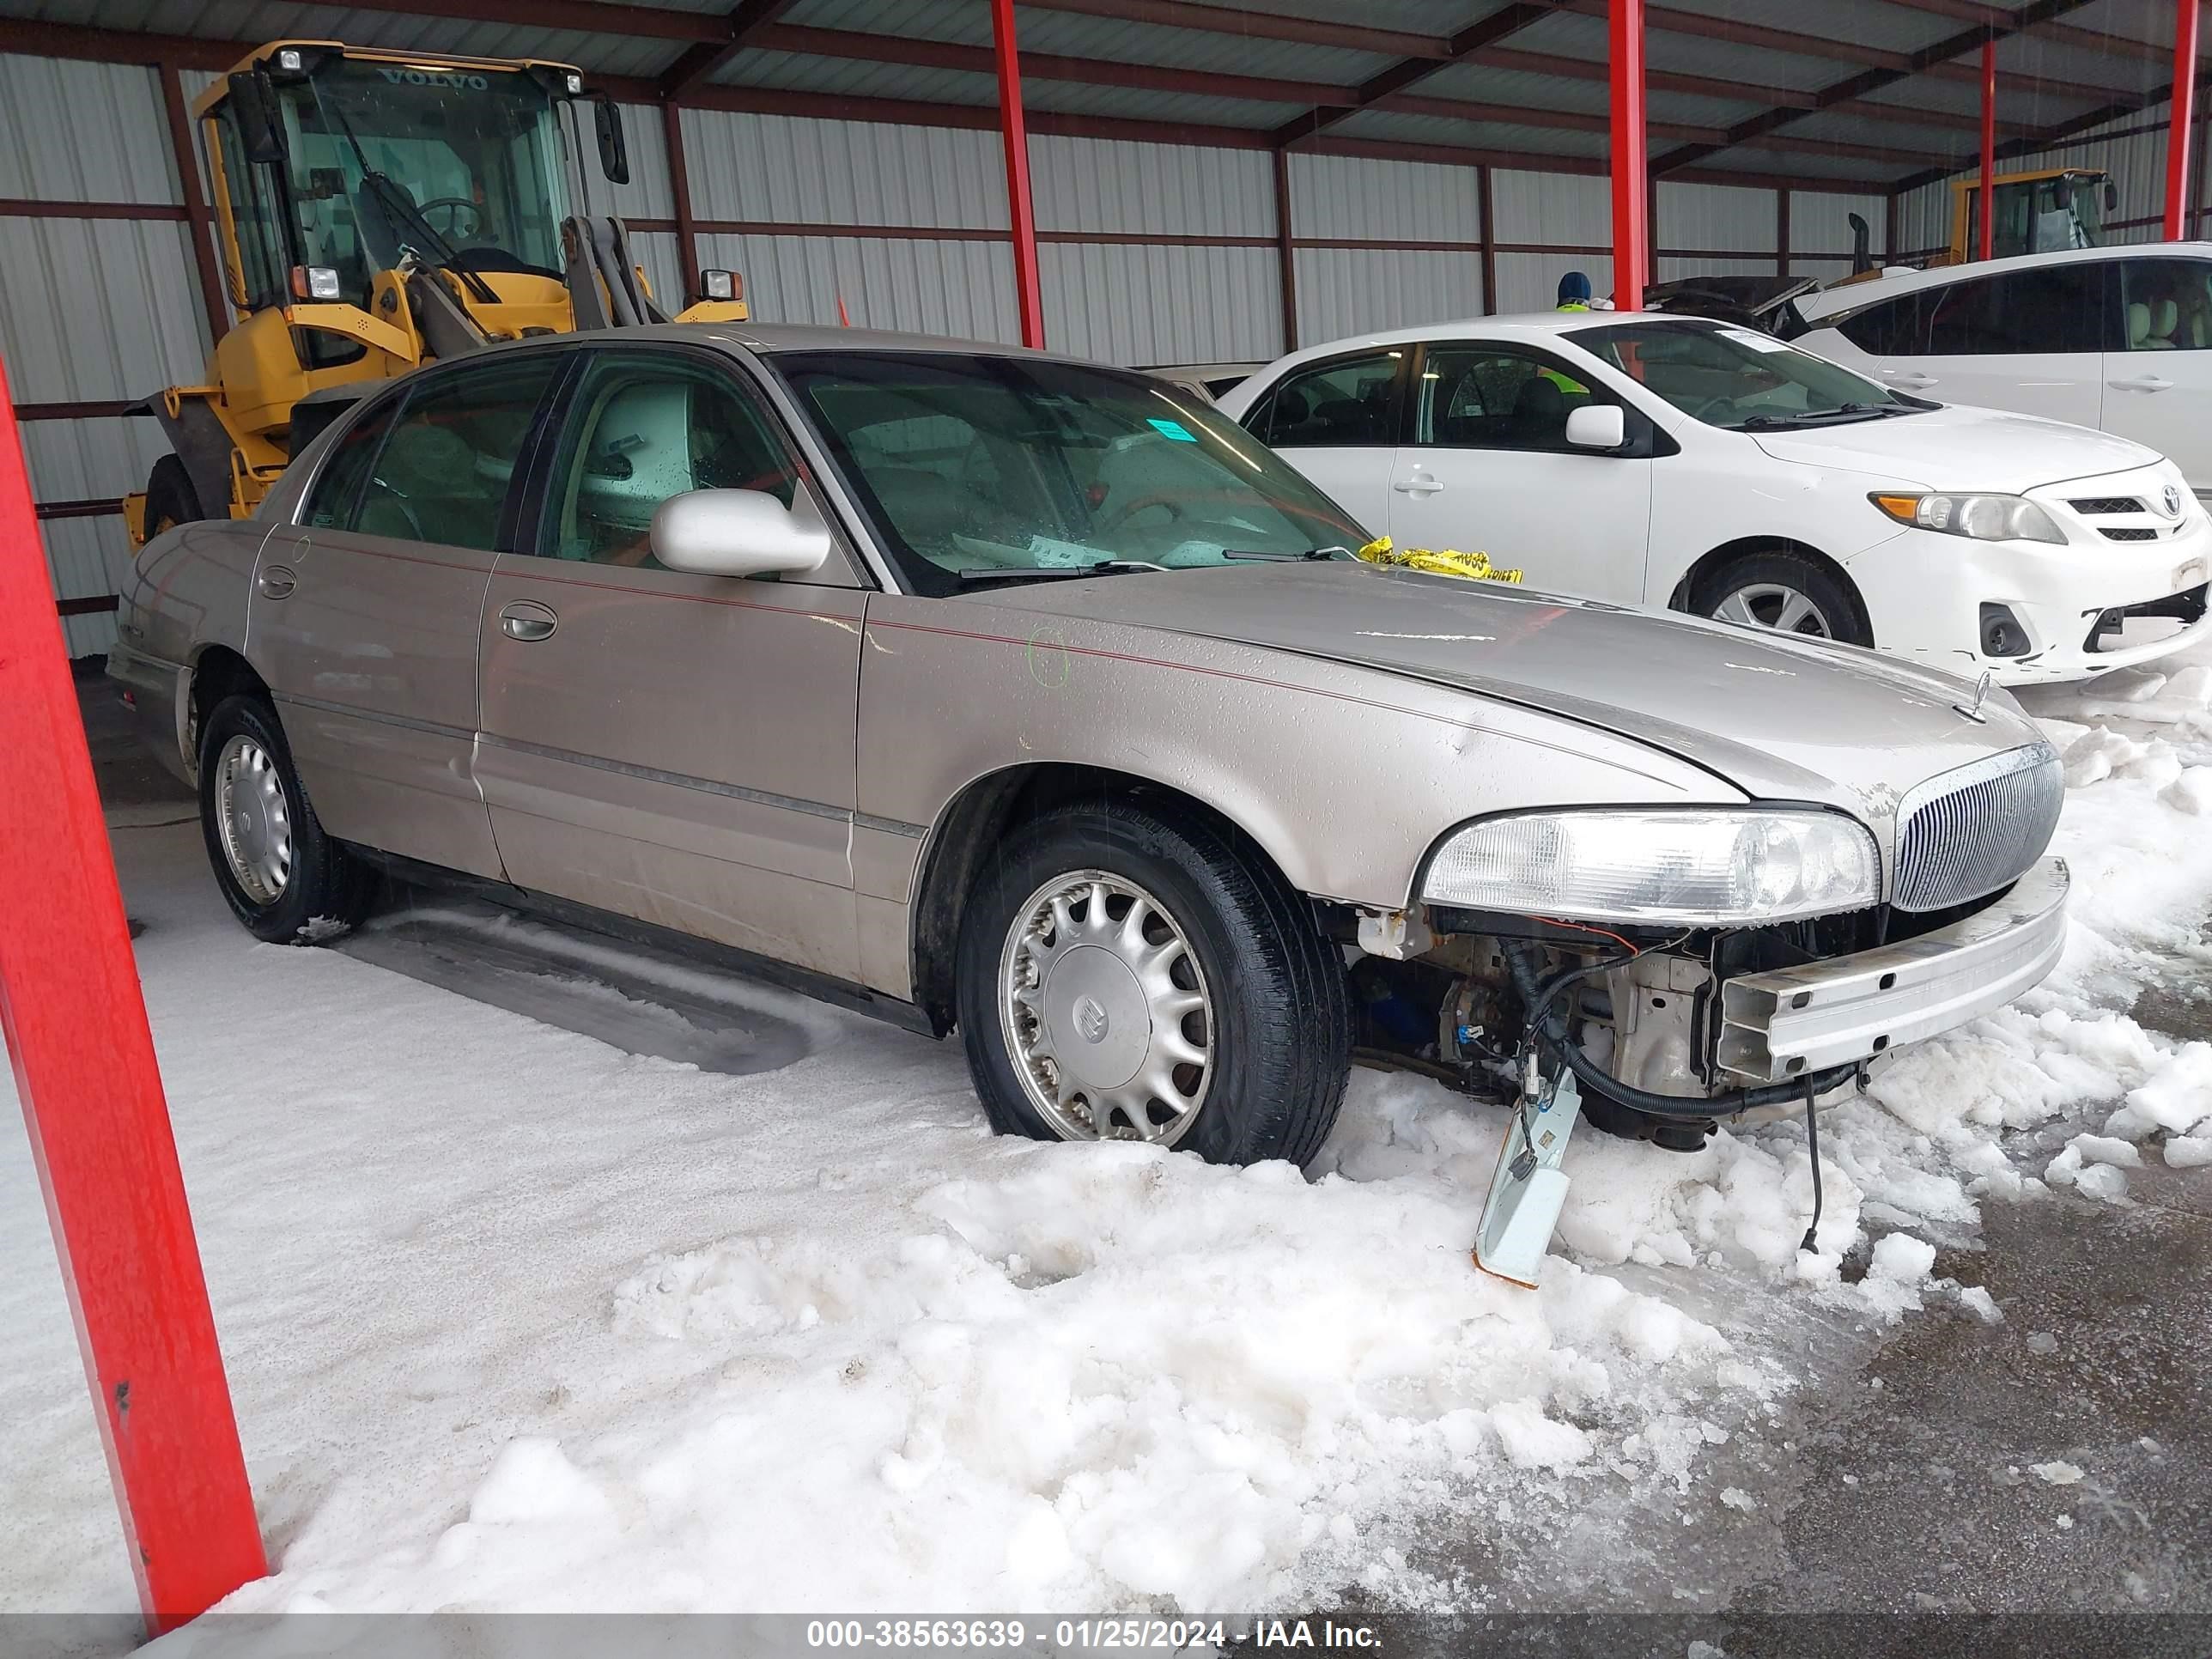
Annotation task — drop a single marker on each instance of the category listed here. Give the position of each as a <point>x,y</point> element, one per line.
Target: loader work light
<point>720,285</point>
<point>1725,867</point>
<point>315,283</point>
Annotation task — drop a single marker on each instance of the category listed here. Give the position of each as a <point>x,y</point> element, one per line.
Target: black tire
<point>1844,619</point>
<point>1279,1048</point>
<point>170,498</point>
<point>325,889</point>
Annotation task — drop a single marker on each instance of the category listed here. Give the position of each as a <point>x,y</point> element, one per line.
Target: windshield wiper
<point>1270,557</point>
<point>1055,573</point>
<point>1841,416</point>
<point>397,202</point>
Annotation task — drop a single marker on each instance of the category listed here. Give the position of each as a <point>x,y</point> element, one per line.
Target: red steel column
<point>1631,225</point>
<point>75,1028</point>
<point>2178,134</point>
<point>1988,195</point>
<point>1013,129</point>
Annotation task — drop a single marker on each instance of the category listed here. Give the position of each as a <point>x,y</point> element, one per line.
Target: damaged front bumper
<point>1779,1026</point>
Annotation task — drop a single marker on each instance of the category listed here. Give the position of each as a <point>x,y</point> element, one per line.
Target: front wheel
<point>170,498</point>
<point>284,879</point>
<point>1785,591</point>
<point>1128,975</point>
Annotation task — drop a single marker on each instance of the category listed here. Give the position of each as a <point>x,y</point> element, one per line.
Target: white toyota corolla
<point>1679,462</point>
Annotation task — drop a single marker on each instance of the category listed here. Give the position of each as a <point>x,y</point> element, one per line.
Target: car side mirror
<point>1597,426</point>
<point>740,532</point>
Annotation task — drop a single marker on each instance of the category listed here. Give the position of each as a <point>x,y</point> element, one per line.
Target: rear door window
<point>1889,329</point>
<point>445,471</point>
<point>336,490</point>
<point>1347,403</point>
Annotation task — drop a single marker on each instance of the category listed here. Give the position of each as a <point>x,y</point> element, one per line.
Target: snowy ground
<point>611,1285</point>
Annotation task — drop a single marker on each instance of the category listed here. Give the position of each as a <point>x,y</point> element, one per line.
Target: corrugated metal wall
<point>92,310</point>
<point>1382,244</point>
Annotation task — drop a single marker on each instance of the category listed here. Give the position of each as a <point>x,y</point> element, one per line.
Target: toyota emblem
<point>2172,502</point>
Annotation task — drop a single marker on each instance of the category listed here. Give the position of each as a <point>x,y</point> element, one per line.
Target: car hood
<point>1957,447</point>
<point>1777,718</point>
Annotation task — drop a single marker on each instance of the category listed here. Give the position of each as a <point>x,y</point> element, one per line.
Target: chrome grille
<point>1971,830</point>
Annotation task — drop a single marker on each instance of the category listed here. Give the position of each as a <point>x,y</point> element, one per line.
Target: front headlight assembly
<point>1661,866</point>
<point>1983,518</point>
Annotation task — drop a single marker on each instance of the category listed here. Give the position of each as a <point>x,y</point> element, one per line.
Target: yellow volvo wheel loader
<point>375,211</point>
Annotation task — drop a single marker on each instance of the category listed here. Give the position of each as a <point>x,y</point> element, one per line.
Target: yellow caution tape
<point>1476,567</point>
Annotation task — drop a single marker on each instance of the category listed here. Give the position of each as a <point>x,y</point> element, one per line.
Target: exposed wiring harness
<point>1547,1027</point>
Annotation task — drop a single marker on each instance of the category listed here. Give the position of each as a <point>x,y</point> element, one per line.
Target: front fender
<point>1344,773</point>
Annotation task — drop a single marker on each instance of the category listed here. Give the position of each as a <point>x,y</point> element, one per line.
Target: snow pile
<point>516,1319</point>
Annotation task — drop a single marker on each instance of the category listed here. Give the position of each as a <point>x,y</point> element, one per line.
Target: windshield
<point>462,166</point>
<point>2031,218</point>
<point>1738,377</point>
<point>985,463</point>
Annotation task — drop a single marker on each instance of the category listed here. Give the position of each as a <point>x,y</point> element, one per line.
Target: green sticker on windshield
<point>1175,430</point>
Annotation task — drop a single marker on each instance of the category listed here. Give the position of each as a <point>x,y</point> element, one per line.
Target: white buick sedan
<point>1679,462</point>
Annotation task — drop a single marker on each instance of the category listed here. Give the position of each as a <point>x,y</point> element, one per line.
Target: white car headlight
<point>1665,866</point>
<point>1983,518</point>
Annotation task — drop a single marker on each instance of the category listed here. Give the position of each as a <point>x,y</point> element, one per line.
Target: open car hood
<point>1779,718</point>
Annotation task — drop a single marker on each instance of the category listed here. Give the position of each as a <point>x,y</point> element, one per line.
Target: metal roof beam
<point>2058,133</point>
<point>1378,88</point>
<point>1758,127</point>
<point>1256,25</point>
<point>2001,19</point>
<point>701,63</point>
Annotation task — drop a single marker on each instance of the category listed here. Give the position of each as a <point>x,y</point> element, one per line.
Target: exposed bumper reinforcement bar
<point>1780,1026</point>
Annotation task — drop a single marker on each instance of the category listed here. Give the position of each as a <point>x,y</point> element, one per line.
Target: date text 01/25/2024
<point>1085,1636</point>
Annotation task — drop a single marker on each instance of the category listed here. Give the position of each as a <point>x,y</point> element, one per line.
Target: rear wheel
<point>1125,975</point>
<point>284,879</point>
<point>170,498</point>
<point>1785,591</point>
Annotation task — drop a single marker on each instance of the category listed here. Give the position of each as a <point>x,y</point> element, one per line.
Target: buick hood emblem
<point>1972,710</point>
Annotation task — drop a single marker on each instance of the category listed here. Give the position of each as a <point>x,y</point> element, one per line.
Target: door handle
<point>1911,377</point>
<point>1420,483</point>
<point>276,581</point>
<point>528,620</point>
<point>2142,383</point>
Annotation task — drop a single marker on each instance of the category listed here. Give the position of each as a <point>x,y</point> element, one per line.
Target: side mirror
<point>740,532</point>
<point>253,106</point>
<point>614,152</point>
<point>1597,426</point>
<point>2112,197</point>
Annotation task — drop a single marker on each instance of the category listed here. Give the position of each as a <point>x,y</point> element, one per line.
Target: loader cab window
<point>263,265</point>
<point>462,167</point>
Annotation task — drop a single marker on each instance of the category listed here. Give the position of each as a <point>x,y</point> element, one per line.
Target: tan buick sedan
<point>999,692</point>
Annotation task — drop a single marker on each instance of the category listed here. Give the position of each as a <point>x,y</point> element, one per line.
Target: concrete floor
<point>1899,1484</point>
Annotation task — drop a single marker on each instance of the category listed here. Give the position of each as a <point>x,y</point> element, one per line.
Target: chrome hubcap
<point>1770,605</point>
<point>254,820</point>
<point>1106,1011</point>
